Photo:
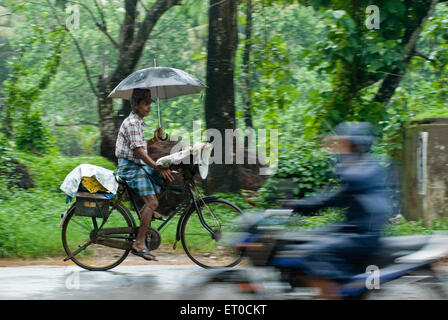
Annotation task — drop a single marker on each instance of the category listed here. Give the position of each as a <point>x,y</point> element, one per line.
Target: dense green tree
<point>129,45</point>
<point>26,83</point>
<point>366,65</point>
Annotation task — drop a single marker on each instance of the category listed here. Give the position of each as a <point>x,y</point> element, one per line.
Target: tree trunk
<point>108,129</point>
<point>246,67</point>
<point>220,95</point>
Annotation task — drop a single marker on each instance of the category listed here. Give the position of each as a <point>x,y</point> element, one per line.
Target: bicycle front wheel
<point>203,245</point>
<point>83,246</point>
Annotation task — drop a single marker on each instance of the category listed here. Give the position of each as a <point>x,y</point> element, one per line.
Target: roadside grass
<point>29,224</point>
<point>29,219</point>
<point>403,227</point>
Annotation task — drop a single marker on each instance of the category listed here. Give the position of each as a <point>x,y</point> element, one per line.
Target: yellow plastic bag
<point>92,185</point>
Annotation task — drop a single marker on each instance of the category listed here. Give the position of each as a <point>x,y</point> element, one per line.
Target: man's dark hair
<point>140,95</point>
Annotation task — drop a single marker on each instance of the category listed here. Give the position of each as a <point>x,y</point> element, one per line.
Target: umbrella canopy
<point>163,82</point>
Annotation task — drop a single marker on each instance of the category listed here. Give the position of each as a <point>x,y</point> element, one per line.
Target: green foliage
<point>49,171</point>
<point>403,227</point>
<point>357,58</point>
<point>27,81</point>
<point>29,224</point>
<point>6,151</point>
<point>275,91</point>
<point>322,218</point>
<point>33,135</point>
<point>238,199</point>
<point>300,172</point>
<point>423,91</point>
<point>22,88</point>
<point>29,220</point>
<point>77,140</point>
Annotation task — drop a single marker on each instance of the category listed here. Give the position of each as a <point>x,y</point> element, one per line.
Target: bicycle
<point>102,240</point>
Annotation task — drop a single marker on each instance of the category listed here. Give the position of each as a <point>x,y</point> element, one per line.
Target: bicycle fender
<point>208,198</point>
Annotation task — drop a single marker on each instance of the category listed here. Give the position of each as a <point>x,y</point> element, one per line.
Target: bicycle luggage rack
<point>93,205</point>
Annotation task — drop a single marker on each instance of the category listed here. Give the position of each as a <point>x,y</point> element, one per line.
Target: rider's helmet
<point>360,134</point>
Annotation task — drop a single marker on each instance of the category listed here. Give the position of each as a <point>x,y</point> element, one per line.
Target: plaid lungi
<point>140,178</point>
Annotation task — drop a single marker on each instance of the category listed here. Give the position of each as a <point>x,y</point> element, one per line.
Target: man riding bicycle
<point>137,168</point>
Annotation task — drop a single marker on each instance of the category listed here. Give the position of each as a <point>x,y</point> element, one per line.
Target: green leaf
<point>348,24</point>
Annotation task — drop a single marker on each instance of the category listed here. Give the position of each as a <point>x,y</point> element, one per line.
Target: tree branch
<point>101,26</point>
<point>128,26</point>
<point>146,9</point>
<point>421,55</point>
<point>81,123</point>
<point>391,82</point>
<point>129,58</point>
<point>151,18</point>
<point>78,47</point>
<point>410,46</point>
<point>103,20</point>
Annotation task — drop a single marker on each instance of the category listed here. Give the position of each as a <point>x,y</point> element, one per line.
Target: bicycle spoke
<point>91,252</point>
<point>82,225</point>
<point>203,246</point>
<point>83,247</point>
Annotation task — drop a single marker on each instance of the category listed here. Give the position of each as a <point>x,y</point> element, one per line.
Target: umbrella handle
<point>166,137</point>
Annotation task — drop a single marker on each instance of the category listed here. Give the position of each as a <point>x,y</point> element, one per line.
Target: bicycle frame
<point>186,204</point>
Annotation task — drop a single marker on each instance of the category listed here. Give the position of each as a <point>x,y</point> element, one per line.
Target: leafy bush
<point>323,218</point>
<point>236,198</point>
<point>300,172</point>
<point>77,140</point>
<point>29,220</point>
<point>6,167</point>
<point>32,135</point>
<point>29,224</point>
<point>49,171</point>
<point>404,227</point>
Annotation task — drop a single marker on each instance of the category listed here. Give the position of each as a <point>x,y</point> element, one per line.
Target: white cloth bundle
<point>104,176</point>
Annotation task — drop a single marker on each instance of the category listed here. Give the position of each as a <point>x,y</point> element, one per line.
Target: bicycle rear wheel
<point>205,248</point>
<point>79,239</point>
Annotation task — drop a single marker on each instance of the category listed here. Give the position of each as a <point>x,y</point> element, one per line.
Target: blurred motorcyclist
<point>347,247</point>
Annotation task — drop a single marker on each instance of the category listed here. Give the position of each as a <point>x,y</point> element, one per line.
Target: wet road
<point>71,283</point>
<point>156,282</point>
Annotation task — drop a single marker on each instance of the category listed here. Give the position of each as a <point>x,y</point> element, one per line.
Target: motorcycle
<point>274,254</point>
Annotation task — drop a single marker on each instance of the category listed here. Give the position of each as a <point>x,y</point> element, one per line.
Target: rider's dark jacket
<point>365,194</point>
